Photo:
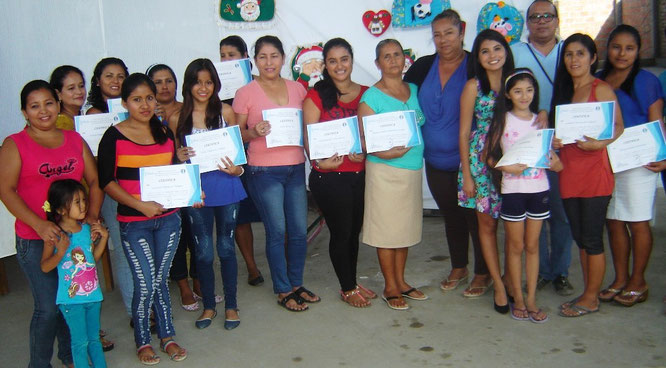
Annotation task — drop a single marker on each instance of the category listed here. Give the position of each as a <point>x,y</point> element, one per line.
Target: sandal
<point>578,310</point>
<point>407,295</point>
<point>295,297</point>
<point>630,298</point>
<point>256,281</point>
<point>309,293</point>
<point>534,316</point>
<point>444,285</point>
<point>346,297</point>
<point>146,359</point>
<point>567,305</point>
<point>607,294</point>
<point>477,291</point>
<point>191,307</point>
<point>218,298</point>
<point>388,299</point>
<point>178,356</point>
<point>523,316</point>
<point>369,294</point>
<point>107,345</point>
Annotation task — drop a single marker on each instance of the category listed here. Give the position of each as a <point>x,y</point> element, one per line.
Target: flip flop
<point>534,314</point>
<point>388,299</point>
<point>568,304</point>
<point>456,283</point>
<point>406,294</point>
<point>518,318</point>
<point>154,359</point>
<point>178,356</point>
<point>480,290</point>
<point>579,311</point>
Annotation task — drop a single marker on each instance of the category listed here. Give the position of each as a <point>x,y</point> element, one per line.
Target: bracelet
<point>242,172</point>
<point>316,164</point>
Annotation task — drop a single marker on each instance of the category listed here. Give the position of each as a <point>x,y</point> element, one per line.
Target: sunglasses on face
<point>546,17</point>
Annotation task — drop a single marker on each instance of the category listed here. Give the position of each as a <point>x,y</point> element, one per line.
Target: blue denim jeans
<point>121,270</point>
<point>47,322</point>
<point>201,225</point>
<point>149,246</point>
<point>83,322</point>
<point>555,256</point>
<point>279,193</point>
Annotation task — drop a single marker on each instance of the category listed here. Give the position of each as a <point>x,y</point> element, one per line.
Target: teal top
<point>380,103</point>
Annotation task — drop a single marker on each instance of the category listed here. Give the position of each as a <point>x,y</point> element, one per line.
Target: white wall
<point>40,35</point>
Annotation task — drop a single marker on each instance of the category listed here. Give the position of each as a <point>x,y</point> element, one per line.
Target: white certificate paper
<point>233,75</point>
<point>116,108</point>
<point>385,131</point>
<point>531,150</point>
<point>92,128</point>
<point>209,147</point>
<point>172,186</point>
<point>593,119</point>
<point>336,136</point>
<point>637,146</point>
<point>286,127</point>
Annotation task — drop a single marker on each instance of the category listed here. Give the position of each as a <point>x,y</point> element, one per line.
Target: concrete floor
<point>445,331</point>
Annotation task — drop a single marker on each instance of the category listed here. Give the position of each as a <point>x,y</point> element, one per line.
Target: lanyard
<point>559,48</point>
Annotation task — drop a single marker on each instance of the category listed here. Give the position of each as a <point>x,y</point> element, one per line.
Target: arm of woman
<point>655,112</point>
<point>395,152</point>
<point>182,153</point>
<point>9,172</point>
<point>95,194</point>
<point>467,100</point>
<point>604,93</point>
<point>50,259</point>
<point>311,115</point>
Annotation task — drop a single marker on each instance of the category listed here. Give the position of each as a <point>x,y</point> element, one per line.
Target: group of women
<point>379,192</point>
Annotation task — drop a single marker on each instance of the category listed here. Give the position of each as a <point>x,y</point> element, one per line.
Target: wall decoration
<point>376,23</point>
<point>410,57</point>
<point>307,64</point>
<point>415,13</point>
<point>246,14</point>
<point>503,18</point>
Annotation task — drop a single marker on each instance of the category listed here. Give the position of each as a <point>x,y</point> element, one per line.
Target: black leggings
<point>179,265</point>
<point>460,223</point>
<point>340,199</point>
<point>587,217</point>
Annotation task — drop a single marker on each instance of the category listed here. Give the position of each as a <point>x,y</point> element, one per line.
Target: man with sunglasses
<point>541,53</point>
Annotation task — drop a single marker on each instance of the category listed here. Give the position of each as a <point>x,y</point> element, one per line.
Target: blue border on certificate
<point>655,129</point>
<point>546,143</point>
<point>235,132</point>
<point>414,140</point>
<point>195,179</point>
<point>353,127</point>
<point>608,108</point>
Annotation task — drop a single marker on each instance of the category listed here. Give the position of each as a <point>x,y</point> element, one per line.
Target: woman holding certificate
<point>277,174</point>
<point>441,78</point>
<point>586,182</point>
<point>202,112</point>
<point>632,204</point>
<point>337,183</point>
<point>149,232</point>
<point>393,216</point>
<point>32,159</point>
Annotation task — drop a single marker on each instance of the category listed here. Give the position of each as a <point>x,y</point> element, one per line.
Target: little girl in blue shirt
<point>77,249</point>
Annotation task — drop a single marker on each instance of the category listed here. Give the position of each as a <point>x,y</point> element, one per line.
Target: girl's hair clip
<point>46,207</point>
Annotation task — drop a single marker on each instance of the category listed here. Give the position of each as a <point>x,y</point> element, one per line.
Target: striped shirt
<point>120,159</point>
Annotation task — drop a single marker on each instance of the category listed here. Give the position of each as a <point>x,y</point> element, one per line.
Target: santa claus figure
<point>249,10</point>
<point>308,65</point>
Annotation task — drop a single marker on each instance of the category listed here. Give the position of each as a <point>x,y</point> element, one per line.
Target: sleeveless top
<point>41,166</point>
<point>586,173</point>
<point>77,272</point>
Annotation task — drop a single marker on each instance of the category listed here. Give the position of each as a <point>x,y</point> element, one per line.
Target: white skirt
<point>633,195</point>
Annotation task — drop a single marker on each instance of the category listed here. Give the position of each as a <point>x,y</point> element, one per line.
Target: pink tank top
<point>40,166</point>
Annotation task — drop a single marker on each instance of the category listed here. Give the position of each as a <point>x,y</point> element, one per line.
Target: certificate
<point>593,119</point>
<point>531,150</point>
<point>286,127</point>
<point>92,128</point>
<point>336,136</point>
<point>172,186</point>
<point>637,146</point>
<point>209,147</point>
<point>385,131</point>
<point>116,107</point>
<point>233,75</point>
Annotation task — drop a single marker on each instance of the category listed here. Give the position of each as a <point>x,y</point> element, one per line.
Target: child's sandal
<point>177,356</point>
<point>147,359</point>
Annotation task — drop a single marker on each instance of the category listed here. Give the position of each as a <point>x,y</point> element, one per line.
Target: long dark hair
<point>214,107</point>
<point>95,98</point>
<point>60,196</point>
<point>235,41</point>
<point>477,69</point>
<point>35,85</point>
<point>628,83</point>
<point>563,89</point>
<point>135,80</point>
<point>60,73</point>
<point>327,90</point>
<point>502,106</point>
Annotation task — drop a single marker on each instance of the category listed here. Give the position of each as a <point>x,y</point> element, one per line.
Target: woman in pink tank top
<point>32,159</point>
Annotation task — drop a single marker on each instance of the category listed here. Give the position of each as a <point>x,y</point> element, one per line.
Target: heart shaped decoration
<point>376,23</point>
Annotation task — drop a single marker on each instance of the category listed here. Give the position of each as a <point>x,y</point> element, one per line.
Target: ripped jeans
<point>201,226</point>
<point>150,246</point>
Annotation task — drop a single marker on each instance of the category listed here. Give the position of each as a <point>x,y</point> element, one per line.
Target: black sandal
<point>302,290</point>
<point>295,297</point>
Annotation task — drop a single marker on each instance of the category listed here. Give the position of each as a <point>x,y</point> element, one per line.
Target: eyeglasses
<point>536,18</point>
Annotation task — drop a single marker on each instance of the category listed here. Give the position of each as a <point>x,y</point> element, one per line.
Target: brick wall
<point>597,18</point>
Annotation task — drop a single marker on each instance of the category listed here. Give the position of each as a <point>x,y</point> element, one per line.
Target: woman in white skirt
<point>632,205</point>
<point>393,216</point>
